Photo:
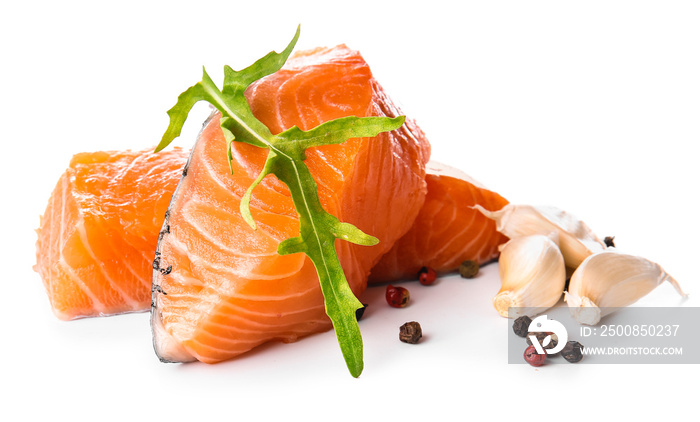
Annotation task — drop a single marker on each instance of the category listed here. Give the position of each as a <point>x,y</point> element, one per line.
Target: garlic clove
<point>576,240</point>
<point>612,279</point>
<point>583,309</point>
<point>533,276</point>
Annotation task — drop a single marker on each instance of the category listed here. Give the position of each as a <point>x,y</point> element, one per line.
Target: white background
<point>589,106</point>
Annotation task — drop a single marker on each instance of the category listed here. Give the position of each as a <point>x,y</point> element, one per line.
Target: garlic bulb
<point>533,276</point>
<point>576,240</point>
<point>612,279</point>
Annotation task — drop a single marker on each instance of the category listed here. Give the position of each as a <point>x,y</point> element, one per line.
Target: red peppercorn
<point>397,296</point>
<point>532,357</point>
<point>427,276</point>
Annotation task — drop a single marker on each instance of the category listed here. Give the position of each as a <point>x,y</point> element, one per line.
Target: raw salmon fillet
<point>98,235</point>
<point>447,230</point>
<point>220,288</point>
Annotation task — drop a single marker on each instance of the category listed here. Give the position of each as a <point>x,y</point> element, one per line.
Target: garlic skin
<point>576,240</point>
<point>612,279</point>
<point>533,276</point>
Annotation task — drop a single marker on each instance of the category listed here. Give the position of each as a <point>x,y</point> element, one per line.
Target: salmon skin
<point>219,287</point>
<point>447,231</point>
<point>99,231</point>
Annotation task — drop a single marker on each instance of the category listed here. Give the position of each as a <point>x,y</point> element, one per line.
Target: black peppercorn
<point>522,325</point>
<point>360,311</point>
<point>554,340</point>
<point>539,336</point>
<point>410,332</point>
<point>609,241</point>
<point>469,269</point>
<point>573,351</point>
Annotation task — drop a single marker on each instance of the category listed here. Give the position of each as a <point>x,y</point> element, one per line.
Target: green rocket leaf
<point>318,229</point>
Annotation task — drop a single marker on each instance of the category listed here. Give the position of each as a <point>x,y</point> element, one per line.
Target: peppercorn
<point>522,325</point>
<point>410,332</point>
<point>540,336</point>
<point>553,340</point>
<point>532,357</point>
<point>609,241</point>
<point>469,269</point>
<point>427,276</point>
<point>397,296</point>
<point>360,311</point>
<point>573,351</point>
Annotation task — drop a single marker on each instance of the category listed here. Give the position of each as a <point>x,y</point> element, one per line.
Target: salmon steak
<point>98,234</point>
<point>447,231</point>
<point>219,287</point>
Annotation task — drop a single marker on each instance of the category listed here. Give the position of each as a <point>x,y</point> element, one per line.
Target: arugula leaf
<point>318,229</point>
